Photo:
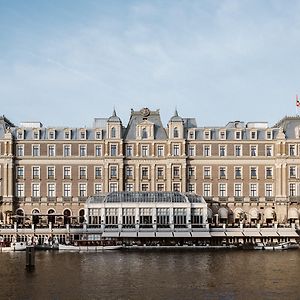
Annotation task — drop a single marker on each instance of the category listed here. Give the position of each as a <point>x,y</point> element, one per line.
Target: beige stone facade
<point>247,172</point>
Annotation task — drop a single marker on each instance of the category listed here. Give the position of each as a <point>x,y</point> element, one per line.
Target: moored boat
<point>15,246</point>
<point>88,248</point>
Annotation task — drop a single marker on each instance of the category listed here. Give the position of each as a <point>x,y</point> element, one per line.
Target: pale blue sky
<point>66,62</point>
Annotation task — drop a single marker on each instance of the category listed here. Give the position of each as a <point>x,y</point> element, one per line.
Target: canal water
<point>152,274</point>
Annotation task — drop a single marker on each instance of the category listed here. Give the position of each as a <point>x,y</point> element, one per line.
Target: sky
<point>64,63</point>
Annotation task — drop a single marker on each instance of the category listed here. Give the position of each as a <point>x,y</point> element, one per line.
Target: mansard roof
<point>290,126</point>
<point>138,117</point>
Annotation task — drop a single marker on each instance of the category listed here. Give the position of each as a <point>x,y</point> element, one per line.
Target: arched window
<point>35,216</point>
<point>51,217</point>
<point>20,216</point>
<point>144,133</point>
<point>113,132</point>
<point>81,216</point>
<point>175,133</point>
<point>67,216</point>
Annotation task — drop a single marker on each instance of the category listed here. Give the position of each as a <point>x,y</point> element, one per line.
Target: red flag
<point>297,101</point>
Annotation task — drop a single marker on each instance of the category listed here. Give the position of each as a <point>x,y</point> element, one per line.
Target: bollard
<point>30,258</point>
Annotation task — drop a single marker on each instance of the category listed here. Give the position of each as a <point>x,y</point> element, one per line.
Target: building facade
<point>247,172</point>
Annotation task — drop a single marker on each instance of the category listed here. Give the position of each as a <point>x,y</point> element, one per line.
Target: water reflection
<point>152,275</point>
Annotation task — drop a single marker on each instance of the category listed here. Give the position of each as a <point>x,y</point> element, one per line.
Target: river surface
<point>152,274</point>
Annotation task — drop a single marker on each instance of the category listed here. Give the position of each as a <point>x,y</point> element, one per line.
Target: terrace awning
<point>217,234</point>
<point>204,234</point>
<point>164,234</point>
<point>110,234</point>
<point>287,232</point>
<point>182,234</point>
<point>146,234</point>
<point>128,234</point>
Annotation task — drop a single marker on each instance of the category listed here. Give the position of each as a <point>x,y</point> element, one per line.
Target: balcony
<point>238,199</point>
<point>294,199</point>
<point>223,199</point>
<point>67,199</point>
<point>51,199</point>
<point>254,199</point>
<point>270,199</point>
<point>35,199</point>
<point>82,199</point>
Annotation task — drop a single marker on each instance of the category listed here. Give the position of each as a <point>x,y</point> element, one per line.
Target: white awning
<point>252,233</point>
<point>128,234</point>
<point>205,234</point>
<point>217,233</point>
<point>293,213</point>
<point>146,234</point>
<point>164,234</point>
<point>110,234</point>
<point>253,213</point>
<point>182,234</point>
<point>223,213</point>
<point>234,233</point>
<point>287,232</point>
<point>269,213</point>
<point>269,233</point>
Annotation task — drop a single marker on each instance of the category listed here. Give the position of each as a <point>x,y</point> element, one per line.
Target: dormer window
<point>144,133</point>
<point>113,132</point>
<point>269,135</point>
<point>175,132</point>
<point>67,134</point>
<point>98,135</point>
<point>238,135</point>
<point>207,134</point>
<point>36,134</point>
<point>253,135</point>
<point>51,135</point>
<point>222,135</point>
<point>191,135</point>
<point>20,135</point>
<point>83,134</point>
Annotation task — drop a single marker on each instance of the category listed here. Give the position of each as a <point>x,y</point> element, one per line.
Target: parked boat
<point>259,246</point>
<point>15,246</point>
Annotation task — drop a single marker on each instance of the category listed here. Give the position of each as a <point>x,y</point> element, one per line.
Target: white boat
<point>88,248</point>
<point>259,246</point>
<point>15,246</point>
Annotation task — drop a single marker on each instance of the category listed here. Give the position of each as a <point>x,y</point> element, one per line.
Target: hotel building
<point>246,172</point>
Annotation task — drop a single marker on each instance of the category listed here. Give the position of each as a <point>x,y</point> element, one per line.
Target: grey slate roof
<point>136,118</point>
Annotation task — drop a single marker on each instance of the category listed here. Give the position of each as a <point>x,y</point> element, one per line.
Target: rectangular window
<point>50,172</point>
<point>207,190</point>
<point>82,172</point>
<point>51,135</point>
<point>292,171</point>
<point>292,150</point>
<point>35,150</point>
<point>20,190</point>
<point>98,135</point>
<point>292,189</point>
<point>191,188</point>
<point>98,172</point>
<point>67,172</point>
<point>113,150</point>
<point>82,190</point>
<point>145,150</point>
<point>253,172</point>
<point>98,150</point>
<point>222,150</point>
<point>269,172</point>
<point>191,172</point>
<point>67,150</point>
<point>145,173</point>
<point>253,150</point>
<point>238,150</point>
<point>253,190</point>
<point>238,135</point>
<point>176,172</point>
<point>237,189</point>
<point>67,190</point>
<point>269,150</point>
<point>129,150</point>
<point>207,151</point>
<point>207,172</point>
<point>160,172</point>
<point>129,172</point>
<point>51,150</point>
<point>20,150</point>
<point>160,150</point>
<point>222,172</point>
<point>67,135</point>
<point>129,187</point>
<point>222,135</point>
<point>113,171</point>
<point>145,187</point>
<point>35,190</point>
<point>269,190</point>
<point>35,172</point>
<point>160,187</point>
<point>176,150</point>
<point>238,172</point>
<point>176,187</point>
<point>253,135</point>
<point>98,188</point>
<point>51,190</point>
<point>191,150</point>
<point>82,150</point>
<point>222,190</point>
<point>20,172</point>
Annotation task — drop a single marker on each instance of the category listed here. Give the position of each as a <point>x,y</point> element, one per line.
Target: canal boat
<point>15,246</point>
